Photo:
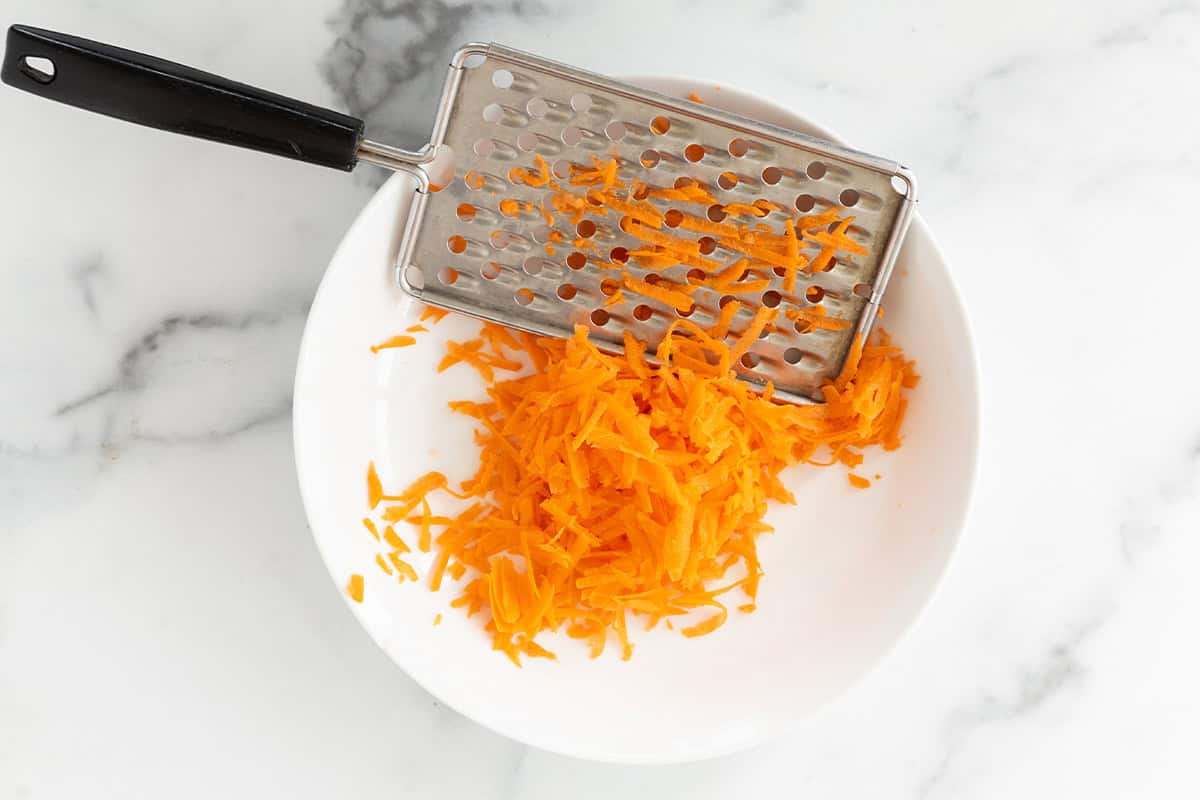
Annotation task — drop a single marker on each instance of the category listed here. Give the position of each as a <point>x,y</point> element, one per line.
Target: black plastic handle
<point>161,94</point>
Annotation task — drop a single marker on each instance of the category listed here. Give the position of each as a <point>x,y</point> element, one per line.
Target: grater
<point>480,244</point>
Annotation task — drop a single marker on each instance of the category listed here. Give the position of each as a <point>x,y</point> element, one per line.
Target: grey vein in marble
<point>389,59</point>
<point>1061,667</point>
<point>134,374</point>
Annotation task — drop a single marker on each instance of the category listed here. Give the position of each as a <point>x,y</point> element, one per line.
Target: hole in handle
<point>39,68</point>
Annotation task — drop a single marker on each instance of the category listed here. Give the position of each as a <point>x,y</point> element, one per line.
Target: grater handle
<point>171,97</point>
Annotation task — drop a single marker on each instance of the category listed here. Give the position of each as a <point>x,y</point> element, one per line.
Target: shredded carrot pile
<point>612,491</point>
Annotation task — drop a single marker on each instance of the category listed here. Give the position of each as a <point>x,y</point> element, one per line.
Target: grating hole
<point>576,260</point>
<point>792,355</point>
<point>780,271</point>
<point>738,148</point>
<point>899,185</point>
<point>493,113</point>
<point>814,294</point>
<point>805,202</point>
<point>609,287</point>
<point>600,317</point>
<point>803,326</point>
<point>484,147</point>
<point>772,175</point>
<point>684,182</point>
<point>466,212</point>
<point>595,197</point>
<point>618,255</point>
<point>749,360</point>
<point>571,136</point>
<point>567,291</point>
<point>490,271</point>
<point>652,278</point>
<point>771,299</point>
<point>537,107</point>
<point>500,239</point>
<point>833,262</point>
<point>686,312</point>
<point>561,168</point>
<point>448,275</point>
<point>502,79</point>
<point>716,213</point>
<point>726,300</point>
<point>696,275</point>
<point>727,180</point>
<point>615,131</point>
<point>642,313</point>
<point>415,277</point>
<point>540,233</point>
<point>474,60</point>
<point>816,170</point>
<point>586,228</point>
<point>523,296</point>
<point>457,244</point>
<point>649,159</point>
<point>640,191</point>
<point>862,289</point>
<point>693,152</point>
<point>707,245</point>
<point>474,181</point>
<point>527,141</point>
<point>673,217</point>
<point>660,125</point>
<point>581,102</point>
<point>848,197</point>
<point>765,332</point>
<point>532,265</point>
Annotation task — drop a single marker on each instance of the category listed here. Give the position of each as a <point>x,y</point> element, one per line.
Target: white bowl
<point>847,571</point>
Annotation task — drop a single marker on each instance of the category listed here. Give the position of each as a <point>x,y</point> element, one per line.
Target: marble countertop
<point>166,626</point>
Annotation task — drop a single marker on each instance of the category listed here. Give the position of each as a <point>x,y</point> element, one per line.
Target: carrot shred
<point>374,486</point>
<point>858,481</point>
<point>369,524</point>
<point>675,299</point>
<point>396,341</point>
<point>354,588</point>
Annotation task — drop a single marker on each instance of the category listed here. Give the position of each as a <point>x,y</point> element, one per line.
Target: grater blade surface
<point>481,246</point>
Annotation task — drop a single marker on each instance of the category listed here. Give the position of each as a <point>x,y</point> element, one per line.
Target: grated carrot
<point>433,313</point>
<point>675,299</point>
<point>396,341</point>
<point>354,588</point>
<point>858,481</point>
<point>609,486</point>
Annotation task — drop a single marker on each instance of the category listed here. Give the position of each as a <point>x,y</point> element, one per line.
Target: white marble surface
<point>166,628</point>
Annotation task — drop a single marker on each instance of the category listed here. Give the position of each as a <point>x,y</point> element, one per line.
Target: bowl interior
<point>847,571</point>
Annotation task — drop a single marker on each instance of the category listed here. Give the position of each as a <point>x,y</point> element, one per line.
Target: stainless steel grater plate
<point>500,107</point>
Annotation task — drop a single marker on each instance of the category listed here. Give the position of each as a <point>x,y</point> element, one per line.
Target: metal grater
<point>500,108</point>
